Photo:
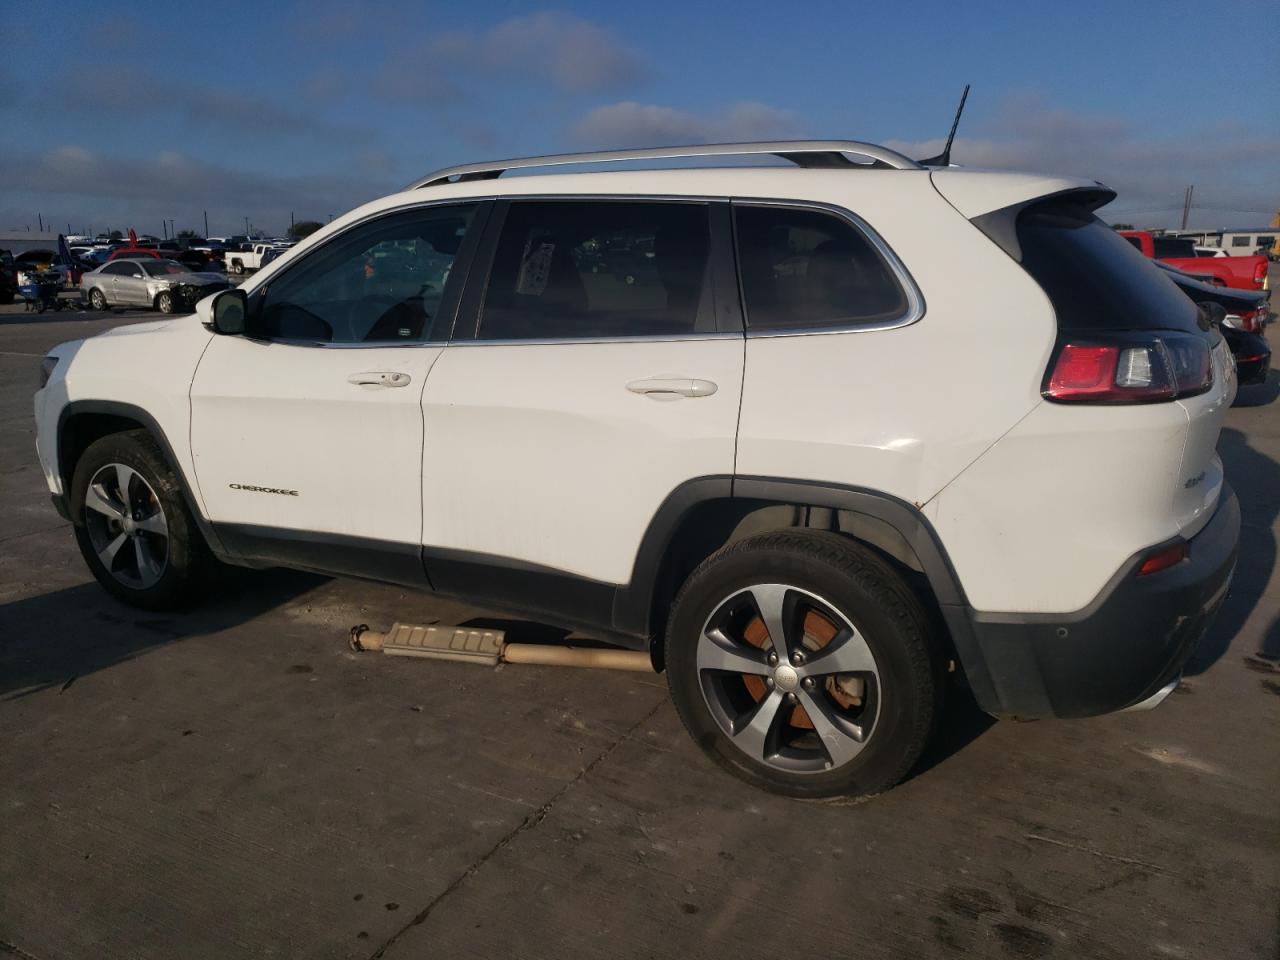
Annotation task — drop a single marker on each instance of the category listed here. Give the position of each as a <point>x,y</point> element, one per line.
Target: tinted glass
<point>1095,280</point>
<point>118,268</point>
<point>160,268</point>
<point>568,269</point>
<point>805,268</point>
<point>1240,241</point>
<point>1172,247</point>
<point>382,281</point>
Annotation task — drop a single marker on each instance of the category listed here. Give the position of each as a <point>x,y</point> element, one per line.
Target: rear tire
<point>133,526</point>
<point>850,713</point>
<point>237,267</point>
<point>164,302</point>
<point>98,299</point>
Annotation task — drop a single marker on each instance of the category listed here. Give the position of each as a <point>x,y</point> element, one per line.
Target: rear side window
<point>595,269</point>
<point>1240,241</point>
<point>805,269</point>
<point>1094,279</point>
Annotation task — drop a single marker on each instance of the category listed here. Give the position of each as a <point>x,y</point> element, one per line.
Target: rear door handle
<point>669,388</point>
<point>380,378</point>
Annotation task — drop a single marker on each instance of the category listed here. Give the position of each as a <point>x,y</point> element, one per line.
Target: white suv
<point>814,437</point>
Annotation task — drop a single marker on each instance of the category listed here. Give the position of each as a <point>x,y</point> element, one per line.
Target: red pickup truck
<point>1243,273</point>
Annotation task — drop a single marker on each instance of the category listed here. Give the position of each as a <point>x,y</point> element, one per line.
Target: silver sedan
<point>166,285</point>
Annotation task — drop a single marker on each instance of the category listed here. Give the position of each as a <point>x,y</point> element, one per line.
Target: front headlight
<point>46,370</point>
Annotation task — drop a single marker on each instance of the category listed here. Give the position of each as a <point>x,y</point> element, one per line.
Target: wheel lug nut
<point>807,683</point>
<point>773,659</point>
<point>797,658</point>
<point>768,682</point>
<point>792,698</point>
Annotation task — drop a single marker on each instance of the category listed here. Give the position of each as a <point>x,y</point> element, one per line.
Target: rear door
<point>599,367</point>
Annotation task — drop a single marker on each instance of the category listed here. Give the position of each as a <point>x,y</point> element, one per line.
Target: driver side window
<point>382,281</point>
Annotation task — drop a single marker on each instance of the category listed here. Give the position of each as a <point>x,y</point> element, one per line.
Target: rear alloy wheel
<point>164,302</point>
<point>802,663</point>
<point>133,525</point>
<point>97,299</point>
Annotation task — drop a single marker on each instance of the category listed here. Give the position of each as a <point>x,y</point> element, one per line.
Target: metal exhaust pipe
<point>489,647</point>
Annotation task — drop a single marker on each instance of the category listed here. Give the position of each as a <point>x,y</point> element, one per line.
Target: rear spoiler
<point>1001,226</point>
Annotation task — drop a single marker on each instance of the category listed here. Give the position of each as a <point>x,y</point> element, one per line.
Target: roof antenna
<point>944,158</point>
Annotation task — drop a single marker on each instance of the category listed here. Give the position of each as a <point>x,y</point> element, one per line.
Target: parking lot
<point>234,782</point>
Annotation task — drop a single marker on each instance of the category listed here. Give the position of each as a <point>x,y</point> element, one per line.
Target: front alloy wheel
<point>164,302</point>
<point>127,526</point>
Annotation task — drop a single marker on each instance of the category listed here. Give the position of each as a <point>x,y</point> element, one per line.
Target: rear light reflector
<point>1128,368</point>
<point>1164,558</point>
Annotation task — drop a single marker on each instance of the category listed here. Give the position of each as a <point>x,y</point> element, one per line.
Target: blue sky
<point>122,115</point>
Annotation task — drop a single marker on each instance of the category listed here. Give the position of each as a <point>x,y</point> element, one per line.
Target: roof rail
<point>803,153</point>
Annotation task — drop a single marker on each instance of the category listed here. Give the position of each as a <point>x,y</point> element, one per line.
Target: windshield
<point>160,268</point>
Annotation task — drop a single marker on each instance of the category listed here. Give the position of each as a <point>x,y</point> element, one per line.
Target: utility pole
<point>206,224</point>
<point>40,222</point>
<point>1186,205</point>
<point>246,226</point>
<point>164,229</point>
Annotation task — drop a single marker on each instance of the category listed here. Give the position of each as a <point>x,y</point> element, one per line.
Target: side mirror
<point>224,312</point>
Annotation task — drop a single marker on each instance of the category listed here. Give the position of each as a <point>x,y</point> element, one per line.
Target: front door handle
<point>380,378</point>
<point>670,388</point>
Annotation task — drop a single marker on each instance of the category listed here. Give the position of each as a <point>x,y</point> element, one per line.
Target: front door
<point>307,433</point>
<point>596,368</point>
<point>130,285</point>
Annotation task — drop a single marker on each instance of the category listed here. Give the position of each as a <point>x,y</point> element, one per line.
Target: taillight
<point>1130,368</point>
<point>1260,271</point>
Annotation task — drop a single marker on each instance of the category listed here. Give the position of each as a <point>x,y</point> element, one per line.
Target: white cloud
<point>561,50</point>
<point>629,124</point>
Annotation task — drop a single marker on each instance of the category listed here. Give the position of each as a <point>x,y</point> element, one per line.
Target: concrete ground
<point>232,782</point>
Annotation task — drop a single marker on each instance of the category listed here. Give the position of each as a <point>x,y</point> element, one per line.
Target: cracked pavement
<point>234,782</point>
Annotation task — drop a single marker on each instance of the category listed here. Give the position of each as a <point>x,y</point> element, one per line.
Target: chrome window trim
<point>568,341</point>
<point>915,299</point>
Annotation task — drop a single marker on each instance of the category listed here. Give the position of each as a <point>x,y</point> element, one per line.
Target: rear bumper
<point>1120,650</point>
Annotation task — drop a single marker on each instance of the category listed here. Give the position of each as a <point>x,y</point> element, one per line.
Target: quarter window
<point>592,269</point>
<point>382,281</point>
<point>1240,241</point>
<point>806,269</point>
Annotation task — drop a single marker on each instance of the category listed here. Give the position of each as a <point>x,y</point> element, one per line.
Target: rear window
<point>1169,248</point>
<point>1093,277</point>
<point>806,269</point>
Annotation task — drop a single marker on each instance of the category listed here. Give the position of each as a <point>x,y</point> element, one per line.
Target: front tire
<point>133,526</point>
<point>97,299</point>
<point>164,302</point>
<point>802,663</point>
<point>237,267</point>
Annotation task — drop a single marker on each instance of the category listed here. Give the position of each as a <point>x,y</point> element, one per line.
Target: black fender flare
<point>632,611</point>
<point>133,412</point>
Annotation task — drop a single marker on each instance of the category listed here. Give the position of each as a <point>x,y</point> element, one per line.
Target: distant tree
<point>304,228</point>
<point>186,235</point>
<point>1122,226</point>
<point>116,235</point>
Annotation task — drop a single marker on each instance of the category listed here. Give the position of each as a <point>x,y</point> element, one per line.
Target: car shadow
<point>1256,480</point>
<point>56,638</point>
